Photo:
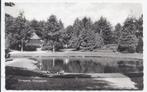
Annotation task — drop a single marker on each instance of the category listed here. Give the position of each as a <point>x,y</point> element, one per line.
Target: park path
<point>76,54</point>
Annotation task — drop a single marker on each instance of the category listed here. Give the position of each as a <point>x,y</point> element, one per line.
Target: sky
<point>68,12</point>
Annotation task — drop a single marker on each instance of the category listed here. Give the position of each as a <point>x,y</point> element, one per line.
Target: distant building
<point>35,41</point>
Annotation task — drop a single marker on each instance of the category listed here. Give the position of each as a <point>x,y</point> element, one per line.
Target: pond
<point>88,65</point>
<point>96,67</point>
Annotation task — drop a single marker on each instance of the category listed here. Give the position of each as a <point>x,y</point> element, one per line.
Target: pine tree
<point>117,33</point>
<point>139,35</point>
<point>104,28</point>
<point>128,39</point>
<point>52,32</point>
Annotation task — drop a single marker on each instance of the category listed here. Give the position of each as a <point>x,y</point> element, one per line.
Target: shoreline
<point>76,54</point>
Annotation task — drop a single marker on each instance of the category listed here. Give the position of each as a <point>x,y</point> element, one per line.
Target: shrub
<point>130,49</point>
<point>49,46</point>
<point>30,48</point>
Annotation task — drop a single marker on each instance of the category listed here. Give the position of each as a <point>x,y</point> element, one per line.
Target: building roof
<point>35,36</point>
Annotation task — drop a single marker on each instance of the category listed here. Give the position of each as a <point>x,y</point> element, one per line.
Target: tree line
<point>83,34</point>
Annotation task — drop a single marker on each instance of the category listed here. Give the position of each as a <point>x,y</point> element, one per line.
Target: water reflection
<point>82,65</point>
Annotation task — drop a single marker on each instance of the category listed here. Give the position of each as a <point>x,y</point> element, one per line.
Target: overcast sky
<point>68,12</point>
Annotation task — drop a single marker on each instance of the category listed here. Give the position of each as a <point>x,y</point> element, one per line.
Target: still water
<point>88,65</point>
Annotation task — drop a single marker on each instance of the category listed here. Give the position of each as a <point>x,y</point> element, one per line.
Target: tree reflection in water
<point>81,65</point>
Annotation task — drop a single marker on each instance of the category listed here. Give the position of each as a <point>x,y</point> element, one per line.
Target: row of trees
<point>83,34</point>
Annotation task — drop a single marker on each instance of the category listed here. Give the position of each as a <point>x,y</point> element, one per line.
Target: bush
<point>30,48</point>
<point>130,49</point>
<point>46,48</point>
<point>49,46</point>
